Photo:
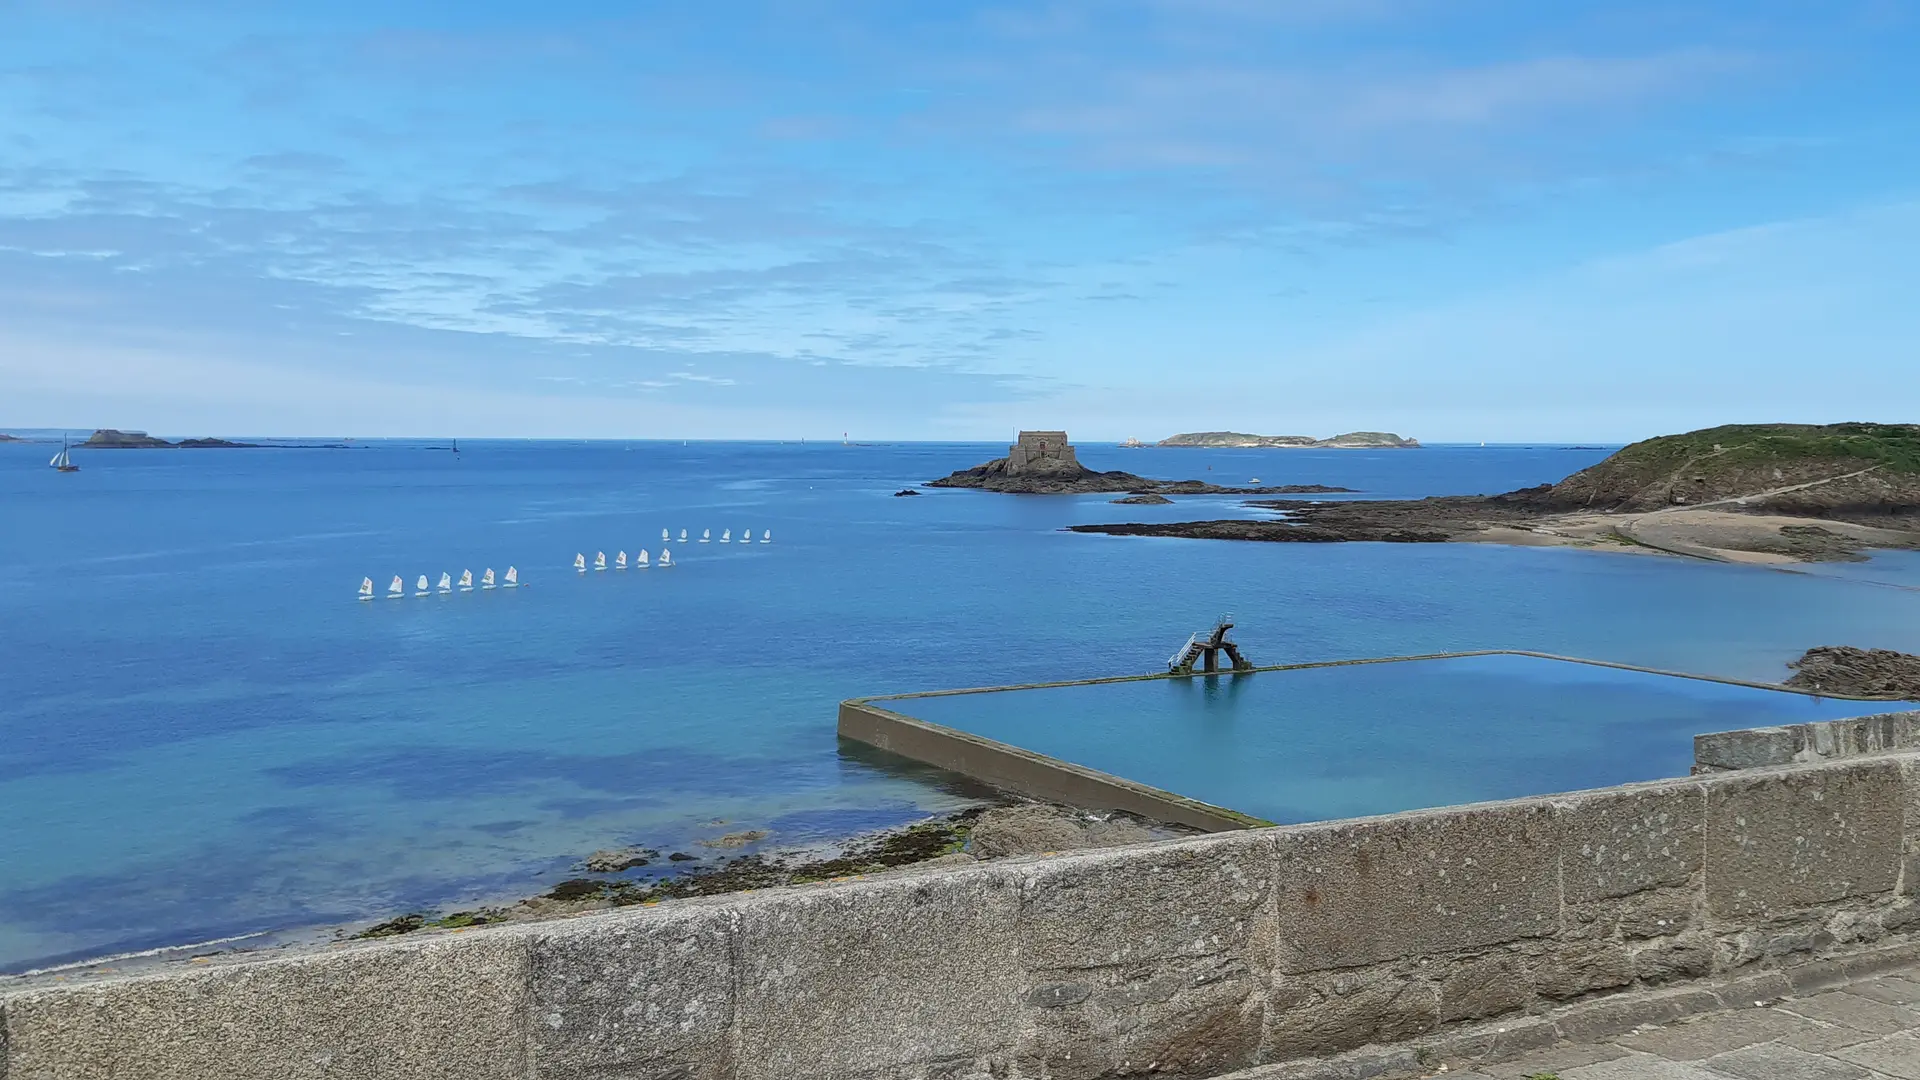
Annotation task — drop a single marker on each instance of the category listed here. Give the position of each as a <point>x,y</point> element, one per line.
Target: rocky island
<point>1044,463</point>
<point>110,439</point>
<point>1352,440</point>
<point>1757,493</point>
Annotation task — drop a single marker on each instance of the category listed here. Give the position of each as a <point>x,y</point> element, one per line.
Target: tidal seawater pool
<point>1312,744</point>
<point>203,734</point>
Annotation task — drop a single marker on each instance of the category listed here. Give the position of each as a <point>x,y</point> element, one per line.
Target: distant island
<point>1352,440</point>
<point>1044,463</point>
<point>1756,493</point>
<point>4,437</point>
<point>110,439</point>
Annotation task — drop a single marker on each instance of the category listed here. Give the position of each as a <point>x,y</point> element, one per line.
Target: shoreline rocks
<point>1143,500</point>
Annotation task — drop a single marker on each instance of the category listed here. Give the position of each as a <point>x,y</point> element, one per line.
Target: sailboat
<point>683,536</point>
<point>456,446</point>
<point>706,535</point>
<point>513,578</point>
<point>620,561</point>
<point>446,582</point>
<point>486,579</point>
<point>767,537</point>
<point>640,559</point>
<point>466,581</point>
<point>366,588</point>
<point>726,536</point>
<point>421,588</point>
<point>580,563</point>
<point>665,536</point>
<point>599,560</point>
<point>666,558</point>
<point>396,588</point>
<point>62,460</point>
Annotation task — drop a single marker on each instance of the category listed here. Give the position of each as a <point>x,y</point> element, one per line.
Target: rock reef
<point>1044,463</point>
<point>1843,669</point>
<point>110,439</point>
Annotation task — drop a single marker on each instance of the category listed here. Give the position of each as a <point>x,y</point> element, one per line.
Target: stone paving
<point>1865,1030</point>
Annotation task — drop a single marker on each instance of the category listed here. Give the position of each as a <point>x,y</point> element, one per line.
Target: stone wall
<point>1823,740</point>
<point>1188,958</point>
<point>1041,451</point>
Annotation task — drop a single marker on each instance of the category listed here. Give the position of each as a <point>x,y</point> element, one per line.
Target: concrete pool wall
<point>1477,931</point>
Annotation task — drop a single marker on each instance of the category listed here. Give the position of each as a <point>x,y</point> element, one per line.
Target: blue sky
<point>1454,219</point>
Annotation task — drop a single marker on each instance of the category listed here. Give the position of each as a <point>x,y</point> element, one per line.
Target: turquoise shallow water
<point>203,734</point>
<point>1318,743</point>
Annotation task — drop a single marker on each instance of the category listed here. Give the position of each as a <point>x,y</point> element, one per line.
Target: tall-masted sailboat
<point>62,460</point>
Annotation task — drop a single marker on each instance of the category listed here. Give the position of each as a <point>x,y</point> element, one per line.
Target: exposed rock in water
<point>1035,828</point>
<point>1352,440</point>
<point>614,860</point>
<point>1843,669</point>
<point>1144,500</point>
<point>110,439</point>
<point>734,840</point>
<point>904,492</point>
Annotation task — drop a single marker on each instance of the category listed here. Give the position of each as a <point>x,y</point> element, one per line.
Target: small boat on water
<point>486,579</point>
<point>63,461</point>
<point>726,536</point>
<point>767,537</point>
<point>640,559</point>
<point>421,588</point>
<point>446,582</point>
<point>366,588</point>
<point>706,535</point>
<point>396,588</point>
<point>683,536</point>
<point>665,536</point>
<point>666,558</point>
<point>1255,480</point>
<point>599,560</point>
<point>620,561</point>
<point>513,578</point>
<point>466,581</point>
<point>580,563</point>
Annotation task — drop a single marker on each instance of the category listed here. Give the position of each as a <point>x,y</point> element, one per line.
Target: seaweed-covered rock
<point>1843,669</point>
<point>1033,828</point>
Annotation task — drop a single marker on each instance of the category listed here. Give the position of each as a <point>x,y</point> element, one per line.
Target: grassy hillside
<point>1755,462</point>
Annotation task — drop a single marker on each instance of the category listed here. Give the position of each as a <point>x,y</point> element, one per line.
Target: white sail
<point>599,560</point>
<point>466,580</point>
<point>620,561</point>
<point>59,459</point>
<point>580,563</point>
<point>513,578</point>
<point>420,587</point>
<point>665,536</point>
<point>396,587</point>
<point>640,560</point>
<point>683,536</point>
<point>767,537</point>
<point>726,536</point>
<point>486,579</point>
<point>366,588</point>
<point>706,535</point>
<point>666,557</point>
<point>446,582</point>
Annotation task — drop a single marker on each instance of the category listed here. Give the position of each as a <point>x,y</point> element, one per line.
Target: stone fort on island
<point>1041,451</point>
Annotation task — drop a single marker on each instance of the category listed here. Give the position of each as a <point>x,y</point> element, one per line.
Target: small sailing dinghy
<point>513,578</point>
<point>396,588</point>
<point>466,581</point>
<point>665,536</point>
<point>666,558</point>
<point>683,536</point>
<point>486,579</point>
<point>366,588</point>
<point>446,582</point>
<point>640,559</point>
<point>63,461</point>
<point>726,536</point>
<point>767,537</point>
<point>580,563</point>
<point>421,588</point>
<point>620,561</point>
<point>706,535</point>
<point>599,560</point>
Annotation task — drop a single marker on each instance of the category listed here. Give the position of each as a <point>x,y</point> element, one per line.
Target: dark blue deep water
<point>202,733</point>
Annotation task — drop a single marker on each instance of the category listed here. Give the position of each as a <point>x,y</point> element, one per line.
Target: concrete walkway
<point>1866,1030</point>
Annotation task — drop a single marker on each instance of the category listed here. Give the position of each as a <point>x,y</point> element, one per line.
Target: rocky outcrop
<point>110,439</point>
<point>904,492</point>
<point>1843,669</point>
<point>1352,440</point>
<point>1038,828</point>
<point>1143,500</point>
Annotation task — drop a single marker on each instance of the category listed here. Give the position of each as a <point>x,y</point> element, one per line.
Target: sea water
<point>203,733</point>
